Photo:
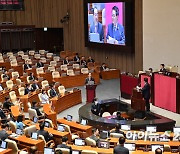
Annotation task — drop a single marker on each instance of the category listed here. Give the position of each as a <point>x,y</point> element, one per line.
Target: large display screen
<point>11,4</point>
<point>108,22</point>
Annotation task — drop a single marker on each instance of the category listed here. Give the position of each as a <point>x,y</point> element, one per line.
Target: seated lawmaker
<point>90,59</point>
<point>36,107</point>
<point>120,149</point>
<point>118,130</point>
<point>27,90</point>
<point>7,104</point>
<point>19,122</point>
<point>95,135</point>
<point>39,64</point>
<point>44,133</point>
<point>89,78</point>
<point>2,113</point>
<point>34,86</point>
<point>5,75</point>
<point>64,144</point>
<point>95,107</point>
<point>53,92</point>
<point>27,65</point>
<point>66,61</point>
<point>83,62</point>
<point>118,116</point>
<point>103,67</point>
<point>31,76</point>
<point>3,133</point>
<point>77,58</point>
<point>162,68</point>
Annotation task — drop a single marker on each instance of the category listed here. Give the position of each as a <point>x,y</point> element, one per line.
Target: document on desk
<point>111,40</point>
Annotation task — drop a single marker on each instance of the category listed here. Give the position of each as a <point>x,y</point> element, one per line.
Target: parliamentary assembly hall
<point>89,77</point>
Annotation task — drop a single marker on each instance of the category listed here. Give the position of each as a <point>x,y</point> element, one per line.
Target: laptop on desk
<point>3,145</point>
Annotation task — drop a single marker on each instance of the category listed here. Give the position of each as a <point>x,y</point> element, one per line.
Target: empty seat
<point>9,84</point>
<point>51,68</point>
<point>106,114</point>
<point>53,63</point>
<point>9,54</point>
<point>49,55</point>
<point>39,70</point>
<point>76,66</point>
<point>64,67</point>
<point>70,72</point>
<point>37,56</point>
<point>11,58</point>
<point>42,52</point>
<point>61,90</point>
<point>13,96</point>
<point>20,53</point>
<point>15,74</point>
<point>43,60</point>
<point>84,70</point>
<point>44,84</point>
<point>31,52</point>
<point>14,63</point>
<point>25,57</point>
<point>56,58</point>
<point>55,74</point>
<point>21,91</point>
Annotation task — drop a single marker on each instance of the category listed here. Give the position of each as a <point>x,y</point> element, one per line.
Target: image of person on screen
<point>115,34</point>
<point>96,27</point>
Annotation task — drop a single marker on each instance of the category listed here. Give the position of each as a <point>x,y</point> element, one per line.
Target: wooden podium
<point>90,92</point>
<point>137,101</point>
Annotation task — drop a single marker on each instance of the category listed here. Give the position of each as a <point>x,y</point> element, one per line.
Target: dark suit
<point>163,70</point>
<point>32,78</point>
<point>65,146</point>
<point>102,68</point>
<point>44,133</point>
<point>66,62</point>
<point>26,91</point>
<point>95,109</point>
<point>39,64</point>
<point>27,66</point>
<point>146,95</point>
<point>53,93</point>
<point>87,80</point>
<point>83,62</point>
<point>37,110</point>
<point>117,34</point>
<point>99,30</point>
<point>119,149</point>
<point>3,135</point>
<point>90,60</point>
<point>2,114</point>
<point>95,138</point>
<point>6,76</point>
<point>76,58</point>
<point>7,105</point>
<point>34,86</point>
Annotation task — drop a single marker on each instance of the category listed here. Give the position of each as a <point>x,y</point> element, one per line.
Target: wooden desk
<point>66,101</point>
<point>29,98</point>
<point>99,150</point>
<point>50,114</point>
<point>75,126</point>
<point>149,152</point>
<point>23,140</point>
<point>19,69</point>
<point>4,94</point>
<point>77,80</point>
<point>6,151</point>
<point>110,74</point>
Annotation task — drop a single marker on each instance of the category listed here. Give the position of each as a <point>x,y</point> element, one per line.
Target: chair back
<point>106,114</point>
<point>12,58</point>
<point>32,113</point>
<point>9,54</point>
<point>13,96</point>
<point>15,74</point>
<point>21,91</point>
<point>53,63</point>
<point>44,84</point>
<point>25,57</point>
<point>116,135</point>
<point>67,128</point>
<point>56,58</point>
<point>49,55</point>
<point>42,52</point>
<point>1,60</point>
<point>70,72</point>
<point>84,70</point>
<point>50,122</point>
<point>43,60</point>
<point>13,126</point>
<point>37,56</point>
<point>55,74</point>
<point>20,53</point>
<point>76,66</point>
<point>31,52</point>
<point>14,63</point>
<point>61,90</point>
<point>64,150</point>
<point>64,67</point>
<point>9,84</point>
<point>51,68</point>
<point>29,130</point>
<point>39,70</point>
<point>12,145</point>
<point>90,142</point>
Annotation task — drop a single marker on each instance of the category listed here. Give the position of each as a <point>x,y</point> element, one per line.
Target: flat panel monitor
<point>46,124</point>
<point>19,131</point>
<point>79,142</point>
<point>35,119</point>
<point>84,122</point>
<point>69,117</point>
<point>152,129</point>
<point>48,151</point>
<point>176,130</point>
<point>61,128</point>
<point>103,144</point>
<point>126,127</point>
<point>4,144</point>
<point>104,134</point>
<point>155,146</point>
<point>76,152</point>
<point>34,135</point>
<point>130,146</point>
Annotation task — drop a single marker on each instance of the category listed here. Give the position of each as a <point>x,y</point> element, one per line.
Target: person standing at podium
<point>89,78</point>
<point>146,93</point>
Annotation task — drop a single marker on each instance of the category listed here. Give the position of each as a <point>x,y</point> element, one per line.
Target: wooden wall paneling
<point>15,40</point>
